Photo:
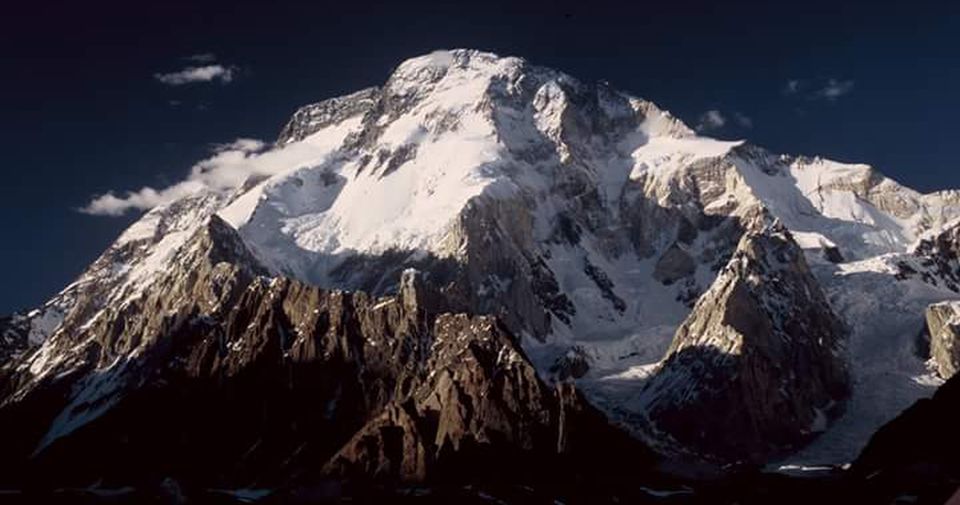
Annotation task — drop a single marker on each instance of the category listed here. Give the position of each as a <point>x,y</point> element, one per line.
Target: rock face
<point>675,264</point>
<point>943,324</point>
<point>119,277</point>
<point>936,259</point>
<point>759,356</point>
<point>13,337</point>
<point>223,376</point>
<point>313,118</point>
<point>480,401</point>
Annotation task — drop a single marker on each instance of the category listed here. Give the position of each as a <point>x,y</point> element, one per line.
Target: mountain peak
<point>443,60</point>
<point>592,224</point>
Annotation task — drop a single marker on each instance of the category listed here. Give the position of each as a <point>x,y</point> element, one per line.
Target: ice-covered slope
<point>587,219</point>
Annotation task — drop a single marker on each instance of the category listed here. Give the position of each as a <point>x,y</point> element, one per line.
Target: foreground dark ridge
<point>287,386</point>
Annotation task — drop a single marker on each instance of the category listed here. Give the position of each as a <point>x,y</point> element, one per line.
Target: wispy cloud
<point>711,120</point>
<point>202,58</point>
<point>229,166</point>
<point>835,89</point>
<point>792,87</point>
<point>817,89</point>
<point>146,198</point>
<point>743,120</point>
<point>188,75</point>
<point>714,119</point>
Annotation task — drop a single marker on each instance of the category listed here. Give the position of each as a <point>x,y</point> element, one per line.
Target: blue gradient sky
<point>81,112</point>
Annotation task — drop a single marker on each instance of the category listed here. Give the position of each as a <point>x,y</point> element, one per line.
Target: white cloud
<point>792,87</point>
<point>227,168</point>
<point>230,165</point>
<point>202,58</point>
<point>743,120</point>
<point>242,144</point>
<point>146,198</point>
<point>711,120</point>
<point>206,73</point>
<point>835,89</point>
<point>830,89</point>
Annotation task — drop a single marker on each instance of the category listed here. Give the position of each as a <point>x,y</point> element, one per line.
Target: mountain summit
<point>483,258</point>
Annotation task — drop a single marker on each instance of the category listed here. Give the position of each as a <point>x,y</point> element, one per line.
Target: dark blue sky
<point>81,113</point>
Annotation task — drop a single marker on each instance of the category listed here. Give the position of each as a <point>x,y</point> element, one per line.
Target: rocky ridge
<point>289,385</point>
<point>760,355</point>
<point>943,326</point>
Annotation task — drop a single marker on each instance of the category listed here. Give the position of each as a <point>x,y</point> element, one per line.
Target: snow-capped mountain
<point>663,272</point>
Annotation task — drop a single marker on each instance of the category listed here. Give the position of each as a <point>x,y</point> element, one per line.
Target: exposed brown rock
<point>943,325</point>
<point>759,356</point>
<point>226,377</point>
<point>674,265</point>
